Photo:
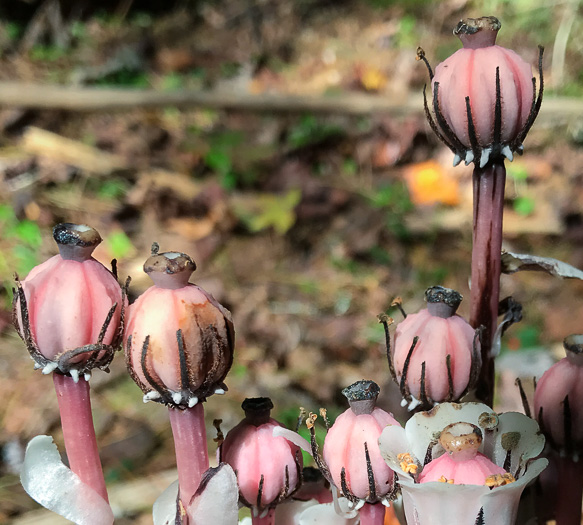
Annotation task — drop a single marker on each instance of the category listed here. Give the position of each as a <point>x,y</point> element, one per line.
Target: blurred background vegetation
<point>305,225</point>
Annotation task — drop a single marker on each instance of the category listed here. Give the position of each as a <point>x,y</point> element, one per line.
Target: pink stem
<point>372,514</point>
<point>191,449</point>
<point>487,245</point>
<point>570,491</point>
<point>268,519</point>
<point>78,431</point>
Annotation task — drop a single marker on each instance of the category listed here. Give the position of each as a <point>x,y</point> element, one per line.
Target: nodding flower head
<point>484,96</point>
<point>268,466</point>
<point>179,339</point>
<point>436,352</point>
<point>69,310</point>
<point>463,463</point>
<point>351,457</point>
<point>557,400</point>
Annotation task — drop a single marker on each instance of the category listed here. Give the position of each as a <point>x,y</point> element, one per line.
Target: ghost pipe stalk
<point>69,311</point>
<point>179,348</point>
<point>484,103</point>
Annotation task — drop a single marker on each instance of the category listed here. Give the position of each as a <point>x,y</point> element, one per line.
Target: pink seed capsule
<point>462,463</point>
<point>558,400</point>
<point>351,451</point>
<point>268,467</point>
<point>179,339</point>
<point>483,96</point>
<point>436,353</point>
<point>68,310</point>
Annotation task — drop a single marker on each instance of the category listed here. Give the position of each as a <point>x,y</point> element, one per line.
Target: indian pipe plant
<point>453,461</point>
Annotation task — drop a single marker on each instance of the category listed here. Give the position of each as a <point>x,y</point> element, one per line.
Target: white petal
<point>289,511</point>
<point>294,437</point>
<point>507,152</point>
<point>485,157</point>
<point>57,488</point>
<point>521,431</point>
<point>218,501</point>
<point>177,398</point>
<point>164,511</point>
<point>50,367</point>
<point>324,514</point>
<point>392,442</point>
<point>342,507</point>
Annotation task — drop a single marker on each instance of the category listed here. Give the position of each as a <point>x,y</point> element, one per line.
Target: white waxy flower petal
<point>217,499</point>
<point>57,488</point>
<point>324,514</point>
<point>50,367</point>
<point>485,157</point>
<point>177,398</point>
<point>294,438</point>
<point>507,152</point>
<point>164,511</point>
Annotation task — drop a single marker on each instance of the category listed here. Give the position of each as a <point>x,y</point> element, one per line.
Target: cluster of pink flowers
<point>452,463</point>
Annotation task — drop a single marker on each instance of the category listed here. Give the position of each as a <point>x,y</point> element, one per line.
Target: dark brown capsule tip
<point>478,32</point>
<point>170,269</point>
<point>76,241</point>
<point>362,396</point>
<point>573,345</point>
<point>442,302</point>
<point>257,409</point>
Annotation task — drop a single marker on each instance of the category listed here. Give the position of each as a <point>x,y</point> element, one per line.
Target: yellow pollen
<point>311,419</point>
<point>407,464</point>
<point>499,480</point>
<point>443,479</point>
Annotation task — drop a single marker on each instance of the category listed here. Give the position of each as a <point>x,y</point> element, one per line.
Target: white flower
<point>511,440</point>
<point>215,501</point>
<point>58,488</point>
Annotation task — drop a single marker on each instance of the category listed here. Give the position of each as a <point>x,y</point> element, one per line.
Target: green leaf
<point>271,211</point>
<point>218,160</point>
<point>29,233</point>
<point>524,206</point>
<point>119,244</point>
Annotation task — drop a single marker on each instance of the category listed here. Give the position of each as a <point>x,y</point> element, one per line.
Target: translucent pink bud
<point>462,464</point>
<point>68,309</point>
<point>351,450</point>
<point>179,339</point>
<point>484,100</point>
<point>436,353</point>
<point>268,467</point>
<point>558,400</point>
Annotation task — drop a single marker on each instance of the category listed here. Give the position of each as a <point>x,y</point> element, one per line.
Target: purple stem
<point>78,431</point>
<point>372,514</point>
<point>191,449</point>
<point>268,519</point>
<point>570,491</point>
<point>487,245</point>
